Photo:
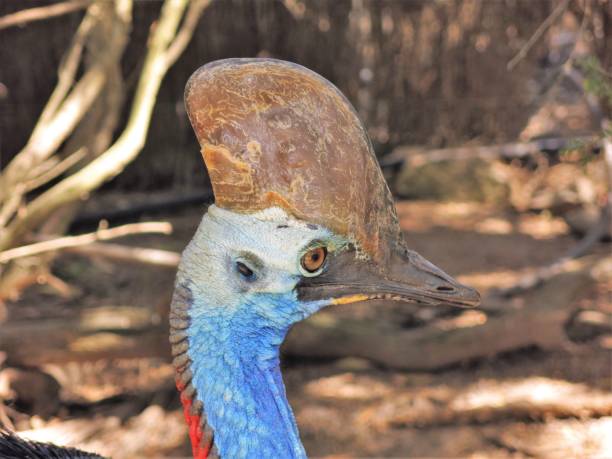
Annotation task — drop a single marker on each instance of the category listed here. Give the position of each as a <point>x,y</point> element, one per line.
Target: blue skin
<point>238,322</point>
<point>238,376</point>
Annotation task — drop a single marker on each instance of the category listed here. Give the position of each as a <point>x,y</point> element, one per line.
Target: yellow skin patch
<point>349,299</point>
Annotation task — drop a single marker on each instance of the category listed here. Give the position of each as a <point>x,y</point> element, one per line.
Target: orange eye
<point>314,259</point>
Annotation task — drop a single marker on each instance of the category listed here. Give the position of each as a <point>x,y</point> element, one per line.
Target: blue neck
<point>236,373</point>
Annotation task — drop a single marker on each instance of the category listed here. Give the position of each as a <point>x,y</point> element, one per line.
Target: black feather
<point>14,447</point>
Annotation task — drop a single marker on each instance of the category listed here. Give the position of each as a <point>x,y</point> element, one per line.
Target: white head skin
<point>269,243</point>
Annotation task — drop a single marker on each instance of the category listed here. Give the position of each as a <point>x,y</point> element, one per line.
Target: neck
<point>237,376</point>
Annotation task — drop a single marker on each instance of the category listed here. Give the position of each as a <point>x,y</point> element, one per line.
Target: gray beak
<point>406,277</point>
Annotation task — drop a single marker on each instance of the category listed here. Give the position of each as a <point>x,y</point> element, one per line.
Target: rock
<point>461,180</point>
<point>30,390</point>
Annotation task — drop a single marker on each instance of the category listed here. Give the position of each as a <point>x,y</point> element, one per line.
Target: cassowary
<point>303,219</point>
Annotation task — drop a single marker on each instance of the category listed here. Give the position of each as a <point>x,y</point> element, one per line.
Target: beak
<point>406,277</point>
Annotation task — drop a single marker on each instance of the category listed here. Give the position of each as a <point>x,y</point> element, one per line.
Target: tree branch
<point>43,12</point>
<point>56,170</point>
<point>129,254</point>
<point>83,239</point>
<point>63,112</point>
<point>545,273</point>
<point>130,142</point>
<point>68,67</point>
<point>537,34</point>
<point>11,205</point>
<point>183,37</point>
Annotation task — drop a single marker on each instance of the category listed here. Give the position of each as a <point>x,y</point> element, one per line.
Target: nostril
<point>444,288</point>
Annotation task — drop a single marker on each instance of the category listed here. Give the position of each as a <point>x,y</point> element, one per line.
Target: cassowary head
<point>302,219</point>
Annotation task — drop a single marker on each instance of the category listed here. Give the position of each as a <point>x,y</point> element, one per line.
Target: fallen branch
<point>94,333</point>
<point>545,273</point>
<point>415,156</point>
<point>42,12</point>
<point>129,254</point>
<point>84,239</point>
<point>120,332</point>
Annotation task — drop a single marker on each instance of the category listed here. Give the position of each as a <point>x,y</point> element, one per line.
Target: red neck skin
<point>199,448</point>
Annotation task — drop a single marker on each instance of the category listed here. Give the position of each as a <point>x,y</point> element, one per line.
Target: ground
<point>502,407</point>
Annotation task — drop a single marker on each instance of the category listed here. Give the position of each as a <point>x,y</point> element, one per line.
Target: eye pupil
<point>314,259</point>
<point>244,270</point>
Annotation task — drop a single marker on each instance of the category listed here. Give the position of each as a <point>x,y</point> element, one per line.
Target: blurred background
<point>491,122</point>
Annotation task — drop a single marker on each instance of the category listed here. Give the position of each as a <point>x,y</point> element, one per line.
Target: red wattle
<point>200,450</point>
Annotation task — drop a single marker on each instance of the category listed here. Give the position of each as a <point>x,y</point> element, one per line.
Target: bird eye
<point>244,270</point>
<point>313,260</point>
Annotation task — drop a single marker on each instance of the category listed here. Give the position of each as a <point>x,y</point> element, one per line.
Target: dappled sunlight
<point>535,391</point>
<point>503,278</point>
<point>97,380</point>
<point>486,280</point>
<point>421,216</point>
<point>66,433</point>
<point>561,440</point>
<point>486,400</point>
<point>152,430</point>
<point>494,226</point>
<point>466,319</point>
<point>542,226</point>
<point>347,387</point>
<point>531,415</point>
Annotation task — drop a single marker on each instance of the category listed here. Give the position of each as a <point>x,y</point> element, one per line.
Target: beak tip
<point>469,297</point>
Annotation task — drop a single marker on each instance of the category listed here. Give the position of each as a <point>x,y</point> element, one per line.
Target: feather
<point>14,447</point>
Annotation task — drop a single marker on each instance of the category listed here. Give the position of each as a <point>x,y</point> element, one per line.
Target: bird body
<point>14,447</point>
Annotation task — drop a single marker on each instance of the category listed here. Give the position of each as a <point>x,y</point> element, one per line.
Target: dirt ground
<point>351,407</point>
